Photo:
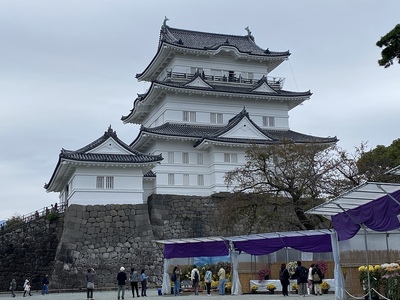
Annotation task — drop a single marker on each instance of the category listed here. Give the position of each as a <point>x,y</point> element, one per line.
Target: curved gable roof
<point>182,39</point>
<point>212,41</point>
<point>201,133</point>
<point>293,98</point>
<point>92,153</point>
<point>131,155</point>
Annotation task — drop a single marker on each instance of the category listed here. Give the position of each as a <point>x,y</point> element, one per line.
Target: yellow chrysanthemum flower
<point>371,268</point>
<point>362,269</point>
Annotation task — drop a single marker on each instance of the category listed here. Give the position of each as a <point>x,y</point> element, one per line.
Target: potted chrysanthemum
<point>271,288</point>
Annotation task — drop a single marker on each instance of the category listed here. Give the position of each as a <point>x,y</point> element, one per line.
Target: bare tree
<point>302,174</point>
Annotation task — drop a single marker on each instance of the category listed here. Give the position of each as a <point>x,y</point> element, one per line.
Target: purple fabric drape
<point>196,249</point>
<point>305,243</point>
<point>379,215</point>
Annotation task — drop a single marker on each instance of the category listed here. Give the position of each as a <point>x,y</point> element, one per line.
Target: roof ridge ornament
<point>165,21</point>
<point>249,33</point>
<point>110,132</point>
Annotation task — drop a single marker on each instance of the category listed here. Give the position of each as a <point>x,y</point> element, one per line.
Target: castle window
<point>189,116</point>
<point>185,158</point>
<point>200,180</point>
<point>200,158</point>
<point>185,179</point>
<point>109,183</point>
<point>171,157</point>
<point>216,118</point>
<point>108,180</point>
<point>230,158</point>
<point>100,182</point>
<point>269,121</point>
<point>171,179</point>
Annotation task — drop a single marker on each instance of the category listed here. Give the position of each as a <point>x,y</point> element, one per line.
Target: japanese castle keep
<point>210,96</point>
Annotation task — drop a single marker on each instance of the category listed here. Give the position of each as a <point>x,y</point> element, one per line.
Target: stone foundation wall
<point>28,250</point>
<point>107,237</point>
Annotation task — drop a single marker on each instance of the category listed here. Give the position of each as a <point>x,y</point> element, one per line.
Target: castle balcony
<point>223,77</point>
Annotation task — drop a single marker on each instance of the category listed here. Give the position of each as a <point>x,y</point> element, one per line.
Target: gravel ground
<point>153,293</point>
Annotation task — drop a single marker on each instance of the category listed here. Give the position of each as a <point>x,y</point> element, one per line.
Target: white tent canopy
<point>374,205</point>
<point>354,198</point>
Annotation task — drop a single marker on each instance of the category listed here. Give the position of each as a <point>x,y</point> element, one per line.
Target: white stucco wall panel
<point>172,110</point>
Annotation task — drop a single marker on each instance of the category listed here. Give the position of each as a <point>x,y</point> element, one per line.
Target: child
<point>27,287</point>
<point>13,286</point>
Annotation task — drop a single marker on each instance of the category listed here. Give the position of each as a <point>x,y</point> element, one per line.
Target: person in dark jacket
<point>301,274</point>
<point>45,285</point>
<point>121,278</point>
<point>284,278</point>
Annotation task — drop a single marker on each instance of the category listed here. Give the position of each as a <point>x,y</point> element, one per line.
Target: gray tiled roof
<point>57,179</point>
<point>201,132</point>
<point>242,90</point>
<point>209,41</point>
<point>134,157</point>
<point>235,89</point>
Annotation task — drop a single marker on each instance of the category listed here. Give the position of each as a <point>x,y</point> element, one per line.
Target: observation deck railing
<point>274,82</point>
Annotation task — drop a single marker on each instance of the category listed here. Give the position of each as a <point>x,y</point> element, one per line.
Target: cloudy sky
<point>67,72</point>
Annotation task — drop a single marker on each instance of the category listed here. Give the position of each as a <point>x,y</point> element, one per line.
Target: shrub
<point>13,221</point>
<point>51,216</point>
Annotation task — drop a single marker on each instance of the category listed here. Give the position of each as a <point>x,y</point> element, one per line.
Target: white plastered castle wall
<point>172,107</point>
<point>213,168</point>
<point>128,186</point>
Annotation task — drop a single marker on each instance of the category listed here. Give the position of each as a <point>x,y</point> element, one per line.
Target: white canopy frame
<point>233,252</point>
<point>358,196</point>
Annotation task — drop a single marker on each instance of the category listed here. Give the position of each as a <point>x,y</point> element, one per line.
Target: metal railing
<point>40,213</point>
<point>274,82</point>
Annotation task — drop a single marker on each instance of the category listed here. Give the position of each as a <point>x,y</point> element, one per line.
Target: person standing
<point>90,283</point>
<point>208,279</point>
<point>176,279</point>
<point>45,285</point>
<point>143,280</point>
<point>27,287</point>
<point>317,279</point>
<point>134,279</point>
<point>13,286</point>
<point>301,274</point>
<point>284,279</point>
<point>121,278</point>
<point>195,277</point>
<point>221,283</point>
<point>310,282</point>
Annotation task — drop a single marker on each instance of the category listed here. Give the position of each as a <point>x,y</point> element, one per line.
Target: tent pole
<point>367,259</point>
<point>287,254</point>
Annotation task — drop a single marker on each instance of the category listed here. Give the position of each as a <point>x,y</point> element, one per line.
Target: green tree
<point>303,174</point>
<point>375,163</point>
<point>391,44</point>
